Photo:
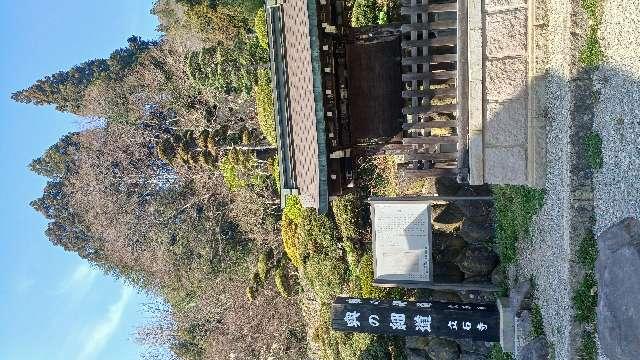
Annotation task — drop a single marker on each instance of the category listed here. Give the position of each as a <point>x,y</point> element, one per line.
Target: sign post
<point>478,322</point>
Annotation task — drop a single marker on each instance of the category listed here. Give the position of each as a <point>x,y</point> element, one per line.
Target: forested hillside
<point>171,185</point>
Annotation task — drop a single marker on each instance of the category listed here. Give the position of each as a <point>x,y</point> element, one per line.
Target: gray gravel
<point>617,118</point>
<point>617,185</point>
<point>546,257</point>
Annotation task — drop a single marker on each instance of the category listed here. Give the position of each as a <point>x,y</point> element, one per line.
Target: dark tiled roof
<point>304,118</point>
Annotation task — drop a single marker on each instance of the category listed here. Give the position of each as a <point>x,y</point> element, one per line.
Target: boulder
<point>498,276</point>
<point>447,273</point>
<point>447,186</point>
<point>476,230</point>
<point>446,247</point>
<point>472,356</point>
<point>617,268</point>
<point>477,296</point>
<point>538,349</point>
<point>414,354</point>
<point>523,329</point>
<point>473,208</point>
<point>446,217</point>
<point>417,342</point>
<point>445,296</point>
<point>443,349</point>
<point>448,214</point>
<point>477,261</point>
<point>476,347</point>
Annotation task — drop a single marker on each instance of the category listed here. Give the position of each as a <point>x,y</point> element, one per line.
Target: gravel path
<point>546,257</point>
<point>617,185</point>
<point>617,115</point>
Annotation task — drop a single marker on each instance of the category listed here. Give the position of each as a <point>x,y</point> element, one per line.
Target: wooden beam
<point>443,25</point>
<point>463,93</point>
<point>431,8</point>
<point>444,92</point>
<point>424,200</point>
<point>430,173</point>
<point>429,125</point>
<point>415,60</point>
<point>407,94</point>
<point>415,43</point>
<point>447,92</point>
<point>434,25</point>
<point>443,7</point>
<point>430,140</point>
<point>429,110</point>
<point>443,75</point>
<point>436,59</point>
<point>443,41</point>
<point>436,156</point>
<point>416,76</point>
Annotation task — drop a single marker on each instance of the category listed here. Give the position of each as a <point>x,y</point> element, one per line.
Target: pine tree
<point>227,69</point>
<point>66,89</point>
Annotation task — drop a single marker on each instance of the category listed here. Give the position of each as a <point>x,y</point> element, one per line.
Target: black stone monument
<point>478,322</point>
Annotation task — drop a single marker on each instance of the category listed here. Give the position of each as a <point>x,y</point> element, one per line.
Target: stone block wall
<point>505,96</point>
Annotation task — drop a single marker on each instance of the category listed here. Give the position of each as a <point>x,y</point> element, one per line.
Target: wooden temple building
<point>379,90</point>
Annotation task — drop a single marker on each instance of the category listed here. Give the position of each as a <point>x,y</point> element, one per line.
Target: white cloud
<point>24,285</point>
<point>80,281</point>
<point>82,278</point>
<point>103,331</point>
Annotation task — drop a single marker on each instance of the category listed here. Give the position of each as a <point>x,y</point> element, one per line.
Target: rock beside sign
<point>443,349</point>
<point>477,261</point>
<point>617,267</point>
<point>538,349</point>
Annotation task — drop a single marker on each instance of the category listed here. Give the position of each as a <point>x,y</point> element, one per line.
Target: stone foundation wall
<point>505,95</point>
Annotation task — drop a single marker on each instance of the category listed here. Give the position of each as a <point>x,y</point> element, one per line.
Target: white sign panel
<point>402,234</point>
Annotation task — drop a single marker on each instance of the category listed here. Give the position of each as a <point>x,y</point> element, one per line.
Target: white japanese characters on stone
<point>466,307</point>
<point>374,302</point>
<point>466,325</point>
<point>354,301</point>
<point>452,306</point>
<point>374,320</point>
<point>481,327</point>
<point>423,305</point>
<point>351,319</point>
<point>453,325</point>
<point>423,323</point>
<point>399,303</point>
<point>398,321</point>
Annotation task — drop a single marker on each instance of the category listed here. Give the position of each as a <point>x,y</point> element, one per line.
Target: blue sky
<point>52,304</point>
